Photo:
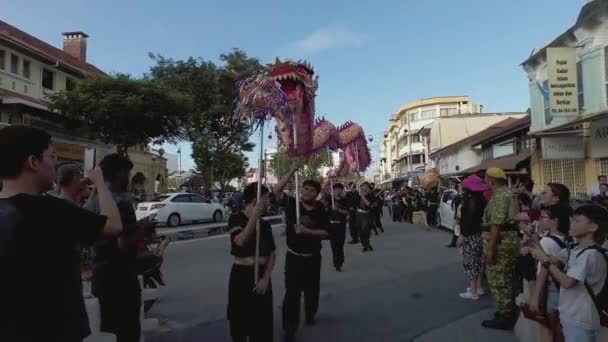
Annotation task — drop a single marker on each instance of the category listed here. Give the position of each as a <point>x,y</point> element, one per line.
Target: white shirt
<point>594,191</point>
<point>575,304</point>
<point>550,247</point>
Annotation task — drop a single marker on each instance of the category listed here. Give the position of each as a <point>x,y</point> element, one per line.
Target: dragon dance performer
<point>353,203</point>
<point>365,218</point>
<point>338,213</point>
<point>303,257</point>
<point>377,208</point>
<point>250,309</point>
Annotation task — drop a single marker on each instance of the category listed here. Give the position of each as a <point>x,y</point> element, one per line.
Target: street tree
<point>124,111</point>
<point>218,135</point>
<point>313,166</point>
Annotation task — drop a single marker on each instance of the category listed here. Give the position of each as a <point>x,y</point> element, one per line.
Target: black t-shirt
<point>114,268</point>
<point>316,218</point>
<point>471,213</point>
<point>41,288</point>
<point>236,223</point>
<point>342,203</point>
<point>373,202</point>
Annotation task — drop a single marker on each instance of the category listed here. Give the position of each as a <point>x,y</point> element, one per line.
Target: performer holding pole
<point>338,214</point>
<point>250,308</point>
<point>303,258</point>
<point>365,216</point>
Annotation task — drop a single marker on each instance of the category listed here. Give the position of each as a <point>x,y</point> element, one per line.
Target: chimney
<point>75,44</point>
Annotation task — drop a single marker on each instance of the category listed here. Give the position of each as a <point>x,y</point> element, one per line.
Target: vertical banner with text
<point>563,89</point>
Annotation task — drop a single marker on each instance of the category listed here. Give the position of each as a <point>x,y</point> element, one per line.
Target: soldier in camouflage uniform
<point>501,248</point>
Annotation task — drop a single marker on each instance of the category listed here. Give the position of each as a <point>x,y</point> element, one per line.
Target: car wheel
<point>174,220</point>
<point>217,216</point>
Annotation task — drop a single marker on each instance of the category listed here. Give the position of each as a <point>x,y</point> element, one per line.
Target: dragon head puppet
<point>287,91</point>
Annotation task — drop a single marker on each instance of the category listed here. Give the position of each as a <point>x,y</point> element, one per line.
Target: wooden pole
<point>296,176</point>
<point>259,198</point>
<point>331,187</point>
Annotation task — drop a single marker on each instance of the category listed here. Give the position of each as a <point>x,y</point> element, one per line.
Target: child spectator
<point>585,266</point>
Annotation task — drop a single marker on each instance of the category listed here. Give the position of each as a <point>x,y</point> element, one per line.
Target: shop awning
<point>509,163</point>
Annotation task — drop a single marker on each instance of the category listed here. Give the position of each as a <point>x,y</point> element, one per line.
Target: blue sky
<point>371,57</point>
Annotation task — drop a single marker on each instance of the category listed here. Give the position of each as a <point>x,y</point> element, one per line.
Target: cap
<point>67,172</point>
<point>495,172</point>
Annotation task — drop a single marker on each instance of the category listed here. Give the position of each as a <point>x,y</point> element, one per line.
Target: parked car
<point>174,209</point>
<point>445,213</point>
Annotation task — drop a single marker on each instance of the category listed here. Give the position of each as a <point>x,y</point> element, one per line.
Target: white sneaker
<point>480,292</point>
<point>469,295</point>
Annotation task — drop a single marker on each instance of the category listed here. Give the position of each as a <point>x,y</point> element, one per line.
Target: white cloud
<point>328,38</point>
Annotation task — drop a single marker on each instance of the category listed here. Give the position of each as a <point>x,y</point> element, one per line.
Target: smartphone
<point>90,160</point>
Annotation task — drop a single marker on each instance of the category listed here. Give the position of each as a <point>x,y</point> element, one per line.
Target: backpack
<point>600,300</point>
<point>558,241</point>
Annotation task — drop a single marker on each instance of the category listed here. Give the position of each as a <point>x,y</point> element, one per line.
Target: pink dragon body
<point>297,92</point>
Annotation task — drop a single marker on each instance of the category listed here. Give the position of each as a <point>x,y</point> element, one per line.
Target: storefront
<point>599,145</point>
<point>563,161</point>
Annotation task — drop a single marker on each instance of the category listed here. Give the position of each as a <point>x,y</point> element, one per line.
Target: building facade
<point>31,70</point>
<point>504,144</point>
<point>403,150</point>
<point>572,149</point>
<point>448,139</point>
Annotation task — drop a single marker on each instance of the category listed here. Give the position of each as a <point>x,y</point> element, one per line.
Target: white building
<point>403,150</point>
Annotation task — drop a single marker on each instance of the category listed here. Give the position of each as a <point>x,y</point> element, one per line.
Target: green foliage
<point>312,166</point>
<point>125,111</point>
<point>218,135</point>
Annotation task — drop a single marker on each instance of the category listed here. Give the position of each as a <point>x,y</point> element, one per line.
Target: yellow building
<point>149,171</point>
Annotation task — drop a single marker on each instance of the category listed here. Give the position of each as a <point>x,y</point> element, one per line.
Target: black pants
<point>407,214</point>
<point>364,226</point>
<point>120,315</point>
<point>338,235</point>
<point>431,215</point>
<point>377,213</point>
<point>396,213</point>
<point>352,226</point>
<point>250,314</point>
<point>302,275</point>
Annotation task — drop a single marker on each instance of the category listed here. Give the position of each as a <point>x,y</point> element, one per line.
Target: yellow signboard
<point>563,89</point>
<point>69,151</point>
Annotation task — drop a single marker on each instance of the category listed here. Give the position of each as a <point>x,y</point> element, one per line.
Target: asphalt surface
<point>406,290</point>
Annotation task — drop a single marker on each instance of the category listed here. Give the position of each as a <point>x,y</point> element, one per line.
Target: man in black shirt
<point>377,208</point>
<point>365,218</point>
<point>41,289</point>
<point>115,281</point>
<point>303,258</point>
<point>338,214</point>
<point>250,310</point>
<point>352,199</point>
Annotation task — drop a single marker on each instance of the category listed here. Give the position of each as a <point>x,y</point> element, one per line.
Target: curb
<point>184,234</point>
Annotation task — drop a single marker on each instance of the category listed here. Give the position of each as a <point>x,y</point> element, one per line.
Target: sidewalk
<point>468,329</point>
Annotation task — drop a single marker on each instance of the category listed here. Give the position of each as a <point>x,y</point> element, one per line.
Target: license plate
<point>143,208</point>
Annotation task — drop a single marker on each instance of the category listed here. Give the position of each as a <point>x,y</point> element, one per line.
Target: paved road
<point>406,290</point>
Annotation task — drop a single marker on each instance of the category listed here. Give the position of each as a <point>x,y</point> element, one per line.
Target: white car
<point>177,208</point>
<point>445,213</point>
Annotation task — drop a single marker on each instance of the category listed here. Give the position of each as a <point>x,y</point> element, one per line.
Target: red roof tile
<point>37,46</point>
